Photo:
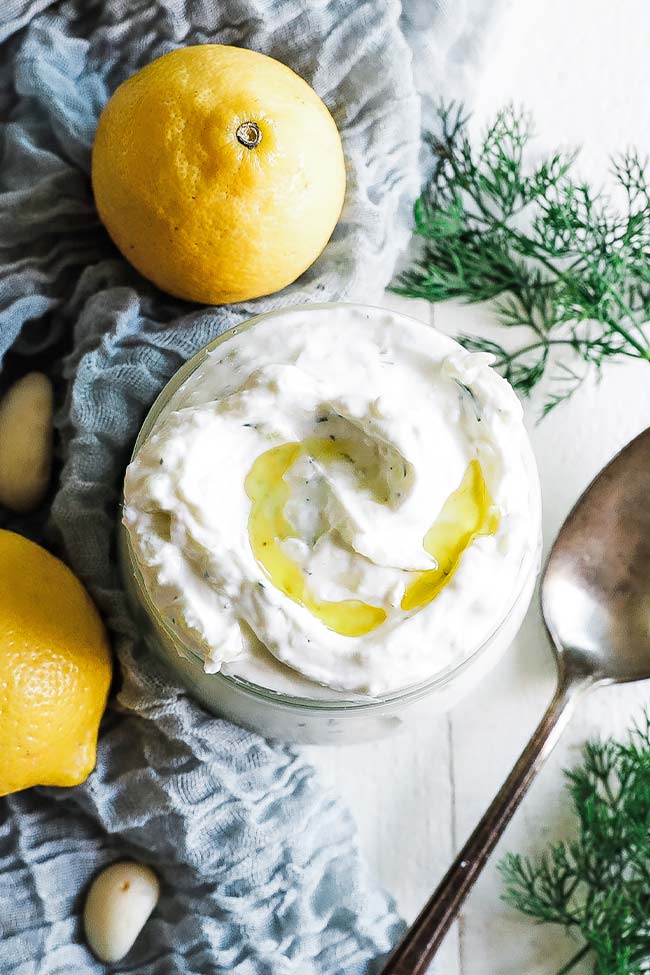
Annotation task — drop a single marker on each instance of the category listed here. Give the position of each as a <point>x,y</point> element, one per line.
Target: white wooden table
<point>583,68</point>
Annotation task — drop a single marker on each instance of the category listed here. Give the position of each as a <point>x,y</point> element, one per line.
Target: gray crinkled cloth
<point>260,869</point>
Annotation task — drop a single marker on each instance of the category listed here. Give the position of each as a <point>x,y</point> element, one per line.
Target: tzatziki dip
<point>338,501</point>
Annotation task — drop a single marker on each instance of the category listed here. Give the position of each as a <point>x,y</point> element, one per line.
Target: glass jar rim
<point>359,703</point>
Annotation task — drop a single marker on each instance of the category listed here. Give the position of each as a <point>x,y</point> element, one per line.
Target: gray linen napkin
<point>260,868</point>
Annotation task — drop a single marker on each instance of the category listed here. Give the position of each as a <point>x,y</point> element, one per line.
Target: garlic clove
<point>26,442</point>
<point>118,904</point>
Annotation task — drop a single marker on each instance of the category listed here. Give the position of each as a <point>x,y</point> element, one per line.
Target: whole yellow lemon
<point>55,670</point>
<point>219,173</point>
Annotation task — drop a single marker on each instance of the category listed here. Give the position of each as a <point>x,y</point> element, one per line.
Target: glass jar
<point>301,719</point>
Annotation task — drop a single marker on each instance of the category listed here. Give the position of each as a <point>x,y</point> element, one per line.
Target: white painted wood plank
<point>582,69</point>
<point>490,728</point>
<point>399,791</point>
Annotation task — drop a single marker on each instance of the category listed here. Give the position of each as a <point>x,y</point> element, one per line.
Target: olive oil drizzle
<point>467,513</point>
<point>268,528</point>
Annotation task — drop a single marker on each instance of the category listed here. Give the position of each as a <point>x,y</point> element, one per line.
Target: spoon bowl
<point>596,587</point>
<point>595,597</point>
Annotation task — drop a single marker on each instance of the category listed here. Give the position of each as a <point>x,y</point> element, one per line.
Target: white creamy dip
<point>281,503</point>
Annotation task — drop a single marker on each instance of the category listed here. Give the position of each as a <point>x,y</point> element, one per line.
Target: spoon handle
<point>413,955</point>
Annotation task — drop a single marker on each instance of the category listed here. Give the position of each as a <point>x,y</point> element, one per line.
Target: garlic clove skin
<point>26,442</point>
<point>118,904</point>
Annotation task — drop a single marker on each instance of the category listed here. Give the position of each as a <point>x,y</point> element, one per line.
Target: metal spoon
<point>595,597</point>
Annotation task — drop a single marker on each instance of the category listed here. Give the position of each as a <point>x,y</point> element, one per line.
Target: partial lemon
<point>55,670</point>
<point>219,173</point>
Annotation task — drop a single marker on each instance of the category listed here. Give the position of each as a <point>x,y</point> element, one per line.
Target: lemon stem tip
<point>249,134</point>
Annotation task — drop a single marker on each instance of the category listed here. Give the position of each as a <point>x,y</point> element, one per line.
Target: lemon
<point>55,670</point>
<point>219,173</point>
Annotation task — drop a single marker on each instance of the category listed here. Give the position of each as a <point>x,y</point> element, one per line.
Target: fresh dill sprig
<point>597,886</point>
<point>560,260</point>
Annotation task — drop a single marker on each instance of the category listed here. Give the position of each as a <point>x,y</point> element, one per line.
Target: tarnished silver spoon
<point>595,597</point>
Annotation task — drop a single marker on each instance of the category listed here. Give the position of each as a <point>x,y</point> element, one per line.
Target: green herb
<point>597,886</point>
<point>563,263</point>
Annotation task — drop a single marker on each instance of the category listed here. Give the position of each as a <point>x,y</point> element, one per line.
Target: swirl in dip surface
<point>338,501</point>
